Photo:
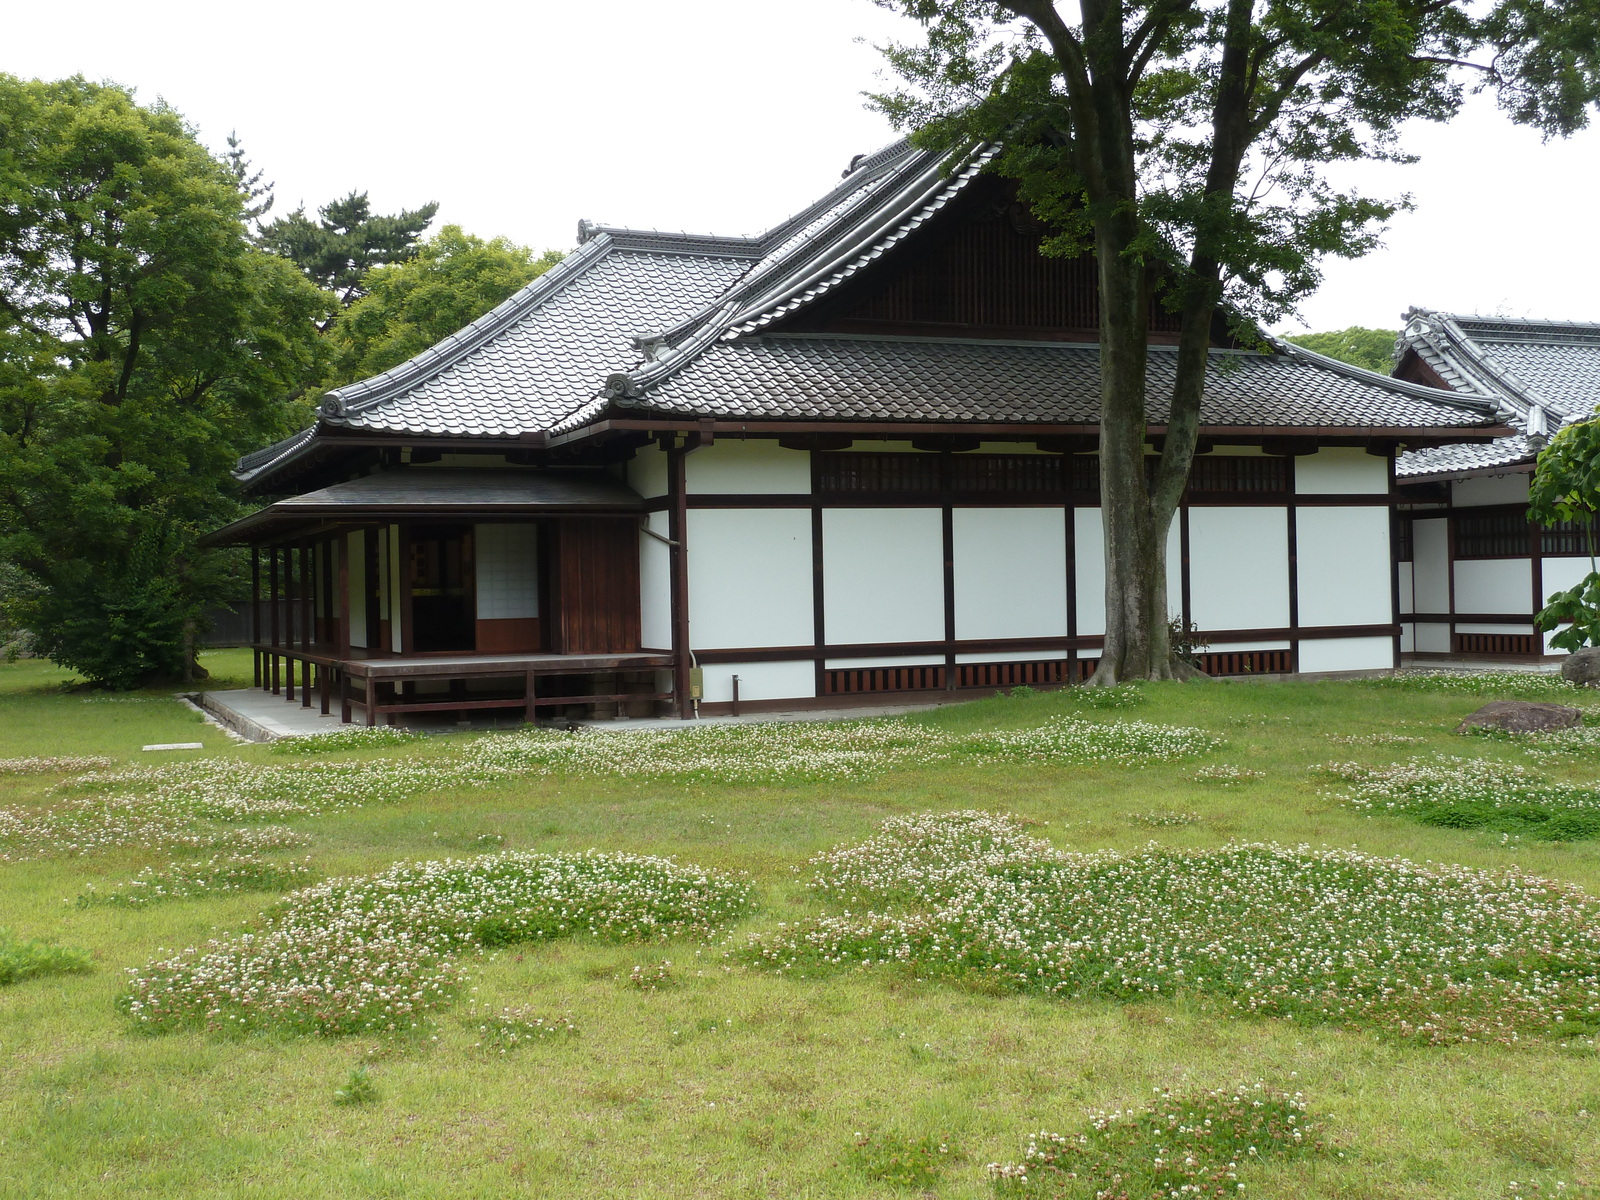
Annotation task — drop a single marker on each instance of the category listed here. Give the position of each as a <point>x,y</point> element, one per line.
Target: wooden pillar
<point>273,614</point>
<point>255,613</point>
<point>531,712</point>
<point>341,554</point>
<point>291,584</point>
<point>308,620</point>
<point>677,528</point>
<point>402,611</point>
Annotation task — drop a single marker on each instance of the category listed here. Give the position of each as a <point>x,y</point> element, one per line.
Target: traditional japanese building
<point>851,458</point>
<point>1473,569</point>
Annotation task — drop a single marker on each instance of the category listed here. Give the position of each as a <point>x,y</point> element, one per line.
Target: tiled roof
<point>542,353</point>
<point>1464,459</point>
<point>674,323</point>
<point>444,491</point>
<point>1542,374</point>
<point>855,378</point>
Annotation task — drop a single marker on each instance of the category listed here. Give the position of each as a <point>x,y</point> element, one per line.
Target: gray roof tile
<point>844,378</point>
<point>1464,459</point>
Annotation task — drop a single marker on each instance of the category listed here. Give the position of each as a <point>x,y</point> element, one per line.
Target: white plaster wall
<point>1562,574</point>
<point>1494,585</point>
<point>753,467</point>
<point>1433,638</point>
<point>883,571</point>
<point>909,660</point>
<point>999,656</point>
<point>761,681</point>
<point>1490,489</point>
<point>396,633</point>
<point>1468,627</point>
<point>1408,638</point>
<point>1406,596</point>
<point>1430,551</point>
<point>1238,568</point>
<point>1089,565</point>
<point>1228,647</point>
<point>647,470</point>
<point>507,571</point>
<point>750,578</point>
<point>1343,560</point>
<point>655,587</point>
<point>1010,572</point>
<point>1341,469</point>
<point>355,548</point>
<point>1347,654</point>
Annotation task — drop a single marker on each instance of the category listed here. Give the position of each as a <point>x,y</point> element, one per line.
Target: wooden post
<point>402,613</point>
<point>291,582</point>
<point>272,613</point>
<point>677,528</point>
<point>341,551</point>
<point>255,612</point>
<point>308,632</point>
<point>531,712</point>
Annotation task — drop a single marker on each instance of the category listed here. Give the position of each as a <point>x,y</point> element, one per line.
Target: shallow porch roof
<point>439,493</point>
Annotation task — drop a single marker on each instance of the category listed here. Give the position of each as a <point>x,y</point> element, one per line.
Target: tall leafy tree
<point>346,241</point>
<point>453,280</point>
<point>1358,346</point>
<point>252,181</point>
<point>144,343</point>
<point>1185,142</point>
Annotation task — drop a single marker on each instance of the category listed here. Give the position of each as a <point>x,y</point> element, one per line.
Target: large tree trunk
<point>1136,645</point>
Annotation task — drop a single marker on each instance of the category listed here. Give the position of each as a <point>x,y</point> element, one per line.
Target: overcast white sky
<point>718,116</point>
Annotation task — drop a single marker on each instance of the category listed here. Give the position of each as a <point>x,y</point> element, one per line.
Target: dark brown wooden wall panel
<point>596,585</point>
<point>978,267</point>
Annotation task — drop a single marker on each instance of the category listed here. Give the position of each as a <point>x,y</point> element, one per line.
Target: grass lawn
<point>695,1072</point>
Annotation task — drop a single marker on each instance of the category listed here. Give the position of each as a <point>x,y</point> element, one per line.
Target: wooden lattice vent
<point>1520,644</point>
<point>1247,662</point>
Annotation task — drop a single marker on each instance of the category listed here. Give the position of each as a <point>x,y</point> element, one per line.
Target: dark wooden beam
<point>677,531</point>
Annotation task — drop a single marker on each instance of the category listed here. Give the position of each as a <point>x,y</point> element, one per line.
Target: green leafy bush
<point>358,1088</point>
<point>21,960</point>
<point>1193,1145</point>
<point>219,875</point>
<point>1473,793</point>
<point>379,953</point>
<point>350,737</point>
<point>901,1161</point>
<point>1494,685</point>
<point>1435,953</point>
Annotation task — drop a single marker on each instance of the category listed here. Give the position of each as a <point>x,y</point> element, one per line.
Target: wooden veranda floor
<point>382,684</point>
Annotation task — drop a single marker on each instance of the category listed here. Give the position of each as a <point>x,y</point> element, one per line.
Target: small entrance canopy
<point>438,494</point>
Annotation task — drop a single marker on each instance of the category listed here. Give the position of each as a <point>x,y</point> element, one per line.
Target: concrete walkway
<point>260,716</point>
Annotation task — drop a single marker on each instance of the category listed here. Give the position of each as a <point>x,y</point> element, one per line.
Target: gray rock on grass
<point>1582,667</point>
<point>1521,716</point>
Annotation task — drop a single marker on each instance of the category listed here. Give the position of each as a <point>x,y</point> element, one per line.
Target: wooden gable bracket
<point>1289,447</point>
<point>1077,443</point>
<point>816,441</point>
<point>942,442</point>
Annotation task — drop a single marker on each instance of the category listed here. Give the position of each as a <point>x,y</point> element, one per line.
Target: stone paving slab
<point>262,717</point>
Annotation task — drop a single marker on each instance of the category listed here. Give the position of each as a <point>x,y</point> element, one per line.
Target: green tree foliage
<point>144,343</point>
<point>251,183</point>
<point>1186,143</point>
<point>1358,346</point>
<point>453,280</point>
<point>346,241</point>
<point>1566,488</point>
